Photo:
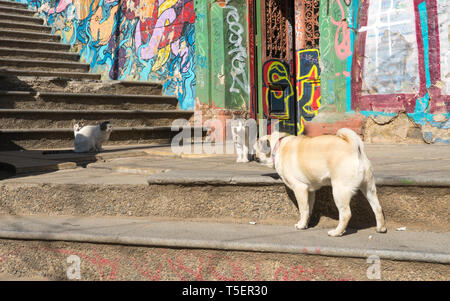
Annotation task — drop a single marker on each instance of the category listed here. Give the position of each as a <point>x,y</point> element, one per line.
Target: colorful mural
<point>308,85</point>
<point>380,58</point>
<point>400,66</point>
<point>279,95</point>
<point>338,24</point>
<point>151,40</point>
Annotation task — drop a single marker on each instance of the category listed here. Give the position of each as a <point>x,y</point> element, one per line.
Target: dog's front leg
<point>301,194</point>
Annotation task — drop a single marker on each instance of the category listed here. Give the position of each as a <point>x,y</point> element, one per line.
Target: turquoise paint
<point>424,27</point>
<point>353,23</point>
<point>375,113</point>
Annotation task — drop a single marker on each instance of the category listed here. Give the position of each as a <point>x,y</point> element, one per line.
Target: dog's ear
<point>104,125</point>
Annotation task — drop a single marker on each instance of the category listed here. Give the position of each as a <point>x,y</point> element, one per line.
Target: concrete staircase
<point>45,90</point>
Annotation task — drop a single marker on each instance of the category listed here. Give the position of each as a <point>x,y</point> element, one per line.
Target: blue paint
<point>375,114</point>
<point>424,27</point>
<point>353,23</point>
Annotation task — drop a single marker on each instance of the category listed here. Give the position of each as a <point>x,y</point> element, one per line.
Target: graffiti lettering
<point>279,95</point>
<point>239,52</point>
<point>308,86</point>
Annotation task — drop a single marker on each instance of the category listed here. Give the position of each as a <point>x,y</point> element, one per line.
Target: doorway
<point>287,62</point>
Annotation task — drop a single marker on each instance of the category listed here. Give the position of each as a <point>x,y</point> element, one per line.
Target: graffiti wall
<point>223,54</point>
<point>142,40</point>
<point>383,58</point>
<point>308,85</point>
<point>338,23</point>
<point>402,65</point>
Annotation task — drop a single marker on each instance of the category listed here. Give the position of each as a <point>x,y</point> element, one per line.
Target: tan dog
<point>305,164</point>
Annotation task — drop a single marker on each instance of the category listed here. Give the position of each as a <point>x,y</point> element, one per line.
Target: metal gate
<point>277,51</point>
<point>290,77</point>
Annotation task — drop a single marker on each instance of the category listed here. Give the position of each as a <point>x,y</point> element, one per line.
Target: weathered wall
<point>143,40</point>
<point>222,53</point>
<point>337,22</point>
<point>380,59</point>
<point>402,65</point>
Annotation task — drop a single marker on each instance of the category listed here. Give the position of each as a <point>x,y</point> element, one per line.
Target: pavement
<point>394,245</point>
<point>397,165</point>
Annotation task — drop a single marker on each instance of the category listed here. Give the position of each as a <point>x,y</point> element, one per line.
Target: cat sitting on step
<point>90,138</point>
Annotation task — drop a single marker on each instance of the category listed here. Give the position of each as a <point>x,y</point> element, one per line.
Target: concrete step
<point>39,54</point>
<point>24,27</point>
<point>57,138</point>
<point>5,9</point>
<point>52,74</point>
<point>202,187</point>
<point>66,85</point>
<point>13,4</point>
<point>32,36</point>
<point>100,262</point>
<point>13,18</point>
<point>32,119</point>
<point>26,44</point>
<point>411,246</point>
<point>43,65</point>
<point>84,101</point>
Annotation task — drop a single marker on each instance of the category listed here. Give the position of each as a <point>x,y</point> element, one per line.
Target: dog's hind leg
<point>301,194</point>
<point>369,190</point>
<point>311,201</point>
<point>342,196</point>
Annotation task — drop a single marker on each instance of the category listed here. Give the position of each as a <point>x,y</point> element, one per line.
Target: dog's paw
<point>335,233</point>
<point>300,226</point>
<point>242,160</point>
<point>382,230</point>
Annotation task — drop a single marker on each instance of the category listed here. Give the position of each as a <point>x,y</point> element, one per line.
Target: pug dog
<point>305,164</point>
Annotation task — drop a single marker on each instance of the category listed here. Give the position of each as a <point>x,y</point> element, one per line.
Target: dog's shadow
<point>324,206</point>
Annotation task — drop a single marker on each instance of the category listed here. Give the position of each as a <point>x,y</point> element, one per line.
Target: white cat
<point>90,138</point>
<point>243,139</point>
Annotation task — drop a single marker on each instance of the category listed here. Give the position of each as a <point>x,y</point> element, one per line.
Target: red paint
<point>251,52</point>
<point>187,265</point>
<point>402,101</point>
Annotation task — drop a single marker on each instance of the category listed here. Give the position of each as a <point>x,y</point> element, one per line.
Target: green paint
<point>217,47</point>
<point>202,51</point>
<point>334,55</point>
<point>222,54</point>
<point>237,56</point>
<point>259,63</point>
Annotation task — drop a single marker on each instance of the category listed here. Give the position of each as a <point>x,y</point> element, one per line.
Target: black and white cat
<point>244,136</point>
<point>90,138</point>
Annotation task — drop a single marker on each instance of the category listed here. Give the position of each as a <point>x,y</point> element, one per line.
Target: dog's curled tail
<point>352,138</point>
<point>365,166</point>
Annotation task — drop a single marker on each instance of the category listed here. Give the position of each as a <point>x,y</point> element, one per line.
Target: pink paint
<point>168,16</point>
<point>343,48</point>
<point>185,266</point>
<point>62,5</point>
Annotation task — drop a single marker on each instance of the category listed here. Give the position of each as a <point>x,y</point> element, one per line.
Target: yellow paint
<point>166,5</point>
<point>163,56</point>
